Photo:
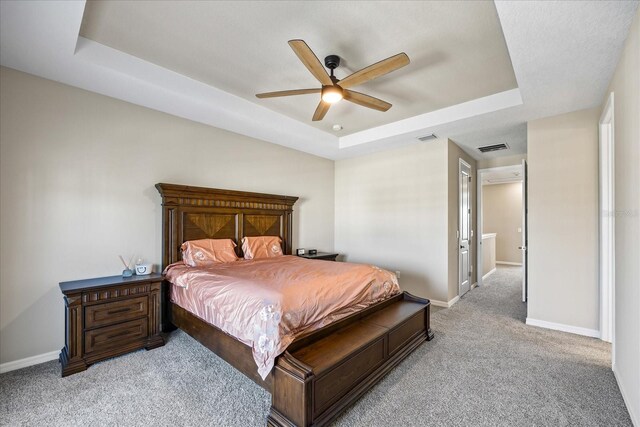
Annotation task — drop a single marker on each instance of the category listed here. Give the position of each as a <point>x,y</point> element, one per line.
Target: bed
<point>323,369</point>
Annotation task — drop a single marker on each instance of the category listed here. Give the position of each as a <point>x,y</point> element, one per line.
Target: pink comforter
<point>267,303</point>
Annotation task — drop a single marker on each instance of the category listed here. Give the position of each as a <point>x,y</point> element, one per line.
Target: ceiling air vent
<point>495,147</point>
<point>428,137</point>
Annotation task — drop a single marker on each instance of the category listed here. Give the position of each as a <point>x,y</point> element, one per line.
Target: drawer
<point>115,312</point>
<point>114,336</point>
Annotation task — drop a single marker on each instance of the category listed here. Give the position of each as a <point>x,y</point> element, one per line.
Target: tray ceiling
<point>563,55</point>
<point>457,50</point>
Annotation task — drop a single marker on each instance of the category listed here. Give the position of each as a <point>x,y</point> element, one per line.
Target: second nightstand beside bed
<point>327,256</point>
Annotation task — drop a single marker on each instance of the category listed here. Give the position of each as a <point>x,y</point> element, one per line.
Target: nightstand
<point>109,316</point>
<point>321,255</point>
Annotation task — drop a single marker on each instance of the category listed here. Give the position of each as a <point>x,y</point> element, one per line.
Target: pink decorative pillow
<point>199,253</point>
<point>261,247</point>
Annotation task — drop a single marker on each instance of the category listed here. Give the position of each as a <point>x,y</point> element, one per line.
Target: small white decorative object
<point>143,268</point>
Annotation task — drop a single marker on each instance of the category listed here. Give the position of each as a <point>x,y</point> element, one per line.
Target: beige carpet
<point>484,368</point>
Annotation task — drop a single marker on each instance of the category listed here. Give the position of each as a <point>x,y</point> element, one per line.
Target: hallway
<point>506,285</point>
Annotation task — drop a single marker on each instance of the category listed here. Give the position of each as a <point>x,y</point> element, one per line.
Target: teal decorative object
<point>127,272</point>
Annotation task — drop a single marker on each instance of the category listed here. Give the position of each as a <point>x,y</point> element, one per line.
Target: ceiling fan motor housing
<point>332,62</point>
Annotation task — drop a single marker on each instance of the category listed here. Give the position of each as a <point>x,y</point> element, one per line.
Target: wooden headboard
<point>190,213</point>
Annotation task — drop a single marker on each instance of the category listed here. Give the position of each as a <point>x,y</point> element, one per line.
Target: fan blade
<point>376,70</point>
<point>366,100</point>
<point>311,61</point>
<point>288,93</point>
<point>322,109</point>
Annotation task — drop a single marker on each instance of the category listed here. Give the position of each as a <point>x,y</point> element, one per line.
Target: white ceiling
<point>457,50</point>
<point>563,55</point>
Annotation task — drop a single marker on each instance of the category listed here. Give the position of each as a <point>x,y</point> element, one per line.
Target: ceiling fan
<point>333,90</point>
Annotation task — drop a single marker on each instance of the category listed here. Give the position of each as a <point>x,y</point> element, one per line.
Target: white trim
<point>501,168</point>
<point>607,223</point>
<point>635,418</point>
<point>594,333</point>
<point>445,304</point>
<point>29,361</point>
<point>503,181</point>
<point>479,220</point>
<point>489,273</point>
<point>474,285</point>
<point>525,233</point>
<point>509,263</point>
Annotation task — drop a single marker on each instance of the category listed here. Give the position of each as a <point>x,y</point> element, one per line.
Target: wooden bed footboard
<point>325,371</point>
<point>314,383</point>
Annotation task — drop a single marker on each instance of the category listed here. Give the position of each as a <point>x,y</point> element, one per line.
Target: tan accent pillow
<point>200,253</point>
<point>261,247</point>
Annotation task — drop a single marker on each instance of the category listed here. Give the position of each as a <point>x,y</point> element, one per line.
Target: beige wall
<point>77,188</point>
<point>626,88</point>
<point>502,214</point>
<point>399,209</point>
<point>488,253</point>
<point>391,210</point>
<point>454,154</point>
<point>502,161</point>
<point>563,219</point>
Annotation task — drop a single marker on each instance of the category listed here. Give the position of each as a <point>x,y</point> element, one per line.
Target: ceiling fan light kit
<point>331,94</point>
<point>333,90</point>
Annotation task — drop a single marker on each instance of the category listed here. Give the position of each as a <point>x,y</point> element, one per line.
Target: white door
<point>464,228</point>
<point>523,248</point>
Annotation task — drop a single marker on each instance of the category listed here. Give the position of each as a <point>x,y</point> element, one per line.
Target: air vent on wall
<point>495,147</point>
<point>428,137</point>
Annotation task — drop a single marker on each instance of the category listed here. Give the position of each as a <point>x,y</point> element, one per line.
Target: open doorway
<point>502,225</point>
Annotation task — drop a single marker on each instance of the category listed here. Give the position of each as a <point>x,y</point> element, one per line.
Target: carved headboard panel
<point>190,213</point>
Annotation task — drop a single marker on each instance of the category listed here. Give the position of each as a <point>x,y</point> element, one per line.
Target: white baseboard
<point>28,361</point>
<point>489,273</point>
<point>443,303</point>
<point>594,333</point>
<point>509,263</point>
<point>475,285</point>
<point>635,418</point>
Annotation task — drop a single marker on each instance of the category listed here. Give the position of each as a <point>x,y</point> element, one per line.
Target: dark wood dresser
<point>109,316</point>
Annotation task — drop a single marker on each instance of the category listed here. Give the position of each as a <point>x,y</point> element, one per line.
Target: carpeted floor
<point>484,367</point>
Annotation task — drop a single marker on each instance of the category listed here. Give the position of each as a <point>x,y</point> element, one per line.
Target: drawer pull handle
<point>121,310</point>
<point>119,334</point>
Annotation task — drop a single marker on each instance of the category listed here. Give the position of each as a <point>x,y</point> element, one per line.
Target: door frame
<point>479,217</point>
<point>525,232</point>
<point>606,233</point>
<point>462,163</point>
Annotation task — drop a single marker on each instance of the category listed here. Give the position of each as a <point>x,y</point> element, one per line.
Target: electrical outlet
<point>398,273</point>
<point>519,230</point>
